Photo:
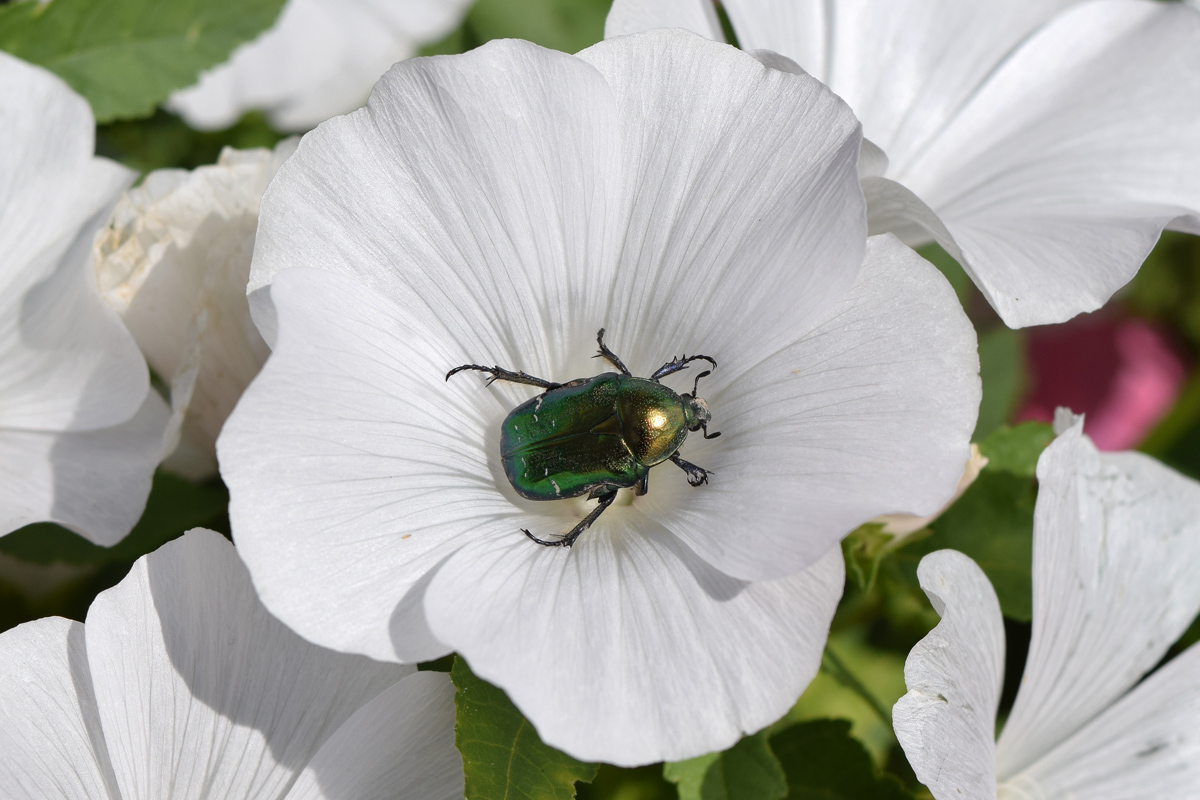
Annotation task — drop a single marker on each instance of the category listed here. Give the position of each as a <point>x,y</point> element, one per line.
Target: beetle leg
<point>609,355</point>
<point>676,364</point>
<point>573,534</point>
<point>642,486</point>
<point>695,475</point>
<point>500,374</point>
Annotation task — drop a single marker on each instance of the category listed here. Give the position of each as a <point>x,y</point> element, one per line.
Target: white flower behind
<point>181,685</point>
<point>1043,144</point>
<point>80,429</point>
<point>1115,556</point>
<point>174,262</point>
<point>321,58</point>
<point>500,207</point>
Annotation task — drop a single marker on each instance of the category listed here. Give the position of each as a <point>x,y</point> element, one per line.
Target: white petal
<point>93,482</point>
<point>869,413</point>
<point>398,745</point>
<point>1146,746</point>
<point>69,364</point>
<point>1057,177</point>
<point>200,691</point>
<point>503,241</point>
<point>635,16</point>
<point>627,648</point>
<point>319,59</point>
<point>174,261</point>
<point>946,721</point>
<point>49,730</point>
<point>1115,554</point>
<point>745,201</point>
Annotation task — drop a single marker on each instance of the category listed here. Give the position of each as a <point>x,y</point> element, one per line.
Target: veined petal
<point>869,413</point>
<point>49,728</point>
<point>319,59</point>
<point>200,691</point>
<point>954,675</point>
<point>1115,554</point>
<point>484,189</point>
<point>1058,176</point>
<point>399,745</point>
<point>351,435</point>
<point>628,648</point>
<point>69,364</point>
<point>1146,746</point>
<point>744,201</point>
<point>635,16</point>
<point>93,482</point>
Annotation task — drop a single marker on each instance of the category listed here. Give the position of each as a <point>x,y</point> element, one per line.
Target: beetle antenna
<point>696,385</point>
<point>707,435</point>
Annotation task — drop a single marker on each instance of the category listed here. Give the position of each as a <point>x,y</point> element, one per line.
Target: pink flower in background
<point>1123,373</point>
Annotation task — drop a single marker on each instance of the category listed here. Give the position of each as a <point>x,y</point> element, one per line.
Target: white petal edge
<point>200,691</point>
<point>627,648</point>
<point>398,746</point>
<point>946,721</point>
<point>869,413</point>
<point>49,728</point>
<point>93,482</point>
<point>1056,179</point>
<point>635,16</point>
<point>69,364</point>
<point>1116,548</point>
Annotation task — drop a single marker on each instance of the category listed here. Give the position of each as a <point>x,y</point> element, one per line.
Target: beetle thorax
<point>653,420</point>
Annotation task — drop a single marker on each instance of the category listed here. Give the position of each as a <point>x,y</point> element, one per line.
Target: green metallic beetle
<point>596,435</point>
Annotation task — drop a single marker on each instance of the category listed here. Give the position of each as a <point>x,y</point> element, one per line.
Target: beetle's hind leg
<point>610,356</point>
<point>676,364</point>
<point>606,500</point>
<point>501,374</point>
<point>695,475</point>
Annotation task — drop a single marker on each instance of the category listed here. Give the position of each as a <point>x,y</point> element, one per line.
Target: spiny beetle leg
<point>573,534</point>
<point>676,364</point>
<point>609,355</point>
<point>501,374</point>
<point>695,475</point>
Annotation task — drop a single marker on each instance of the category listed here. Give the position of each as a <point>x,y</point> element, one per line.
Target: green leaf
<point>955,274</point>
<point>1002,370</point>
<point>165,140</point>
<point>503,756</point>
<point>567,25</point>
<point>126,56</point>
<point>174,507</point>
<point>993,524</point>
<point>1016,449</point>
<point>823,761</point>
<point>746,771</point>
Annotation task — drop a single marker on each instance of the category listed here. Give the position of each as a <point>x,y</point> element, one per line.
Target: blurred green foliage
<point>125,57</point>
<point>746,771</point>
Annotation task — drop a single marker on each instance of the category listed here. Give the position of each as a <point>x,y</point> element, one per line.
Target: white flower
<point>173,262</point>
<point>1116,553</point>
<point>80,429</point>
<point>319,59</point>
<point>182,686</point>
<point>500,207</point>
<point>1044,145</point>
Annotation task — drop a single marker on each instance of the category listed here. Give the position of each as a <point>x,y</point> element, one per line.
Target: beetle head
<point>697,415</point>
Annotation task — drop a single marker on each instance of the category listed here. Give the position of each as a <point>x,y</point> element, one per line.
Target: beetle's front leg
<point>606,500</point>
<point>609,355</point>
<point>501,374</point>
<point>695,475</point>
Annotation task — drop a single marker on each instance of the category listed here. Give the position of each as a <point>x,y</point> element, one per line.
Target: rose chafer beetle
<point>597,435</point>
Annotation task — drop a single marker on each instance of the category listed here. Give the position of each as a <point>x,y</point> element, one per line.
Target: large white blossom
<point>181,685</point>
<point>500,207</point>
<point>80,429</point>
<point>1116,553</point>
<point>321,58</point>
<point>1045,144</point>
<point>174,262</point>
